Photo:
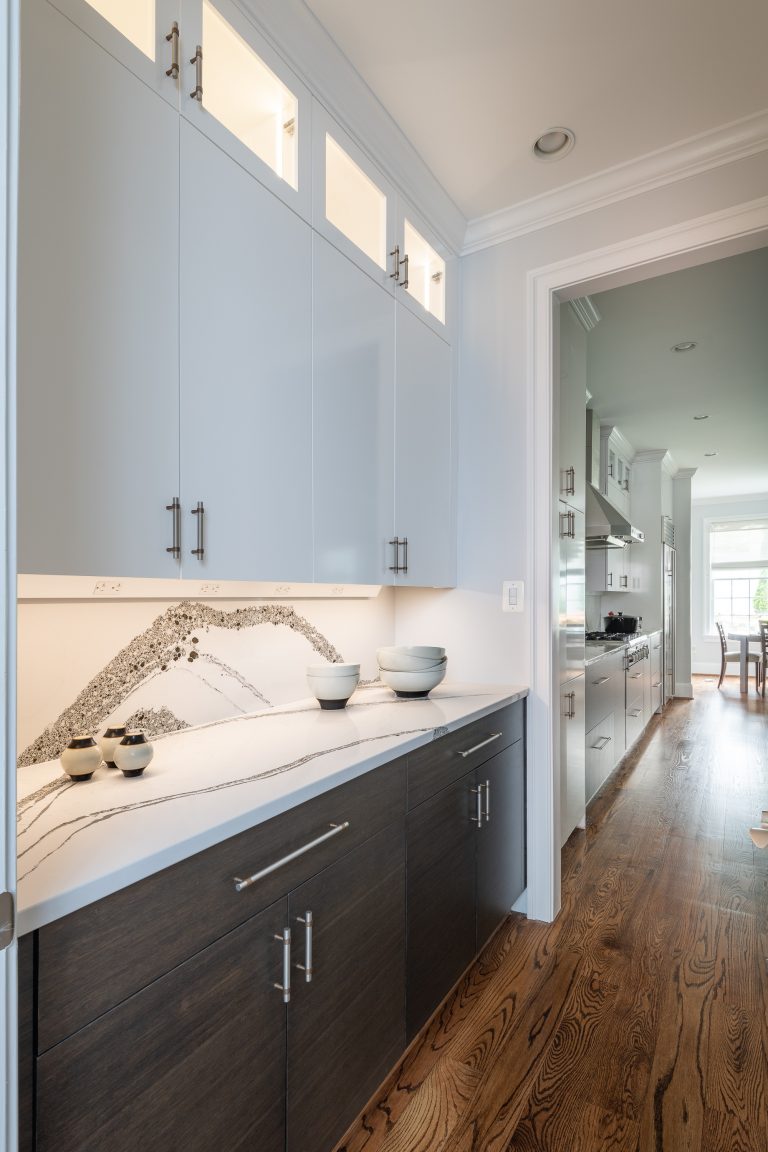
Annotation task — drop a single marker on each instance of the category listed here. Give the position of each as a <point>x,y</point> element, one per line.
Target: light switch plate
<point>512,596</point>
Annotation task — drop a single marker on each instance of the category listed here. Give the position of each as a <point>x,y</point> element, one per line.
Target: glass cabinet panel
<point>426,273</point>
<point>134,19</point>
<point>354,204</point>
<point>247,97</point>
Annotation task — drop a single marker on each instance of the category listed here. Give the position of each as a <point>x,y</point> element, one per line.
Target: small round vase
<point>109,741</point>
<point>81,757</point>
<point>133,753</point>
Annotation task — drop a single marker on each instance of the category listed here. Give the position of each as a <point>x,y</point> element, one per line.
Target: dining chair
<point>733,657</point>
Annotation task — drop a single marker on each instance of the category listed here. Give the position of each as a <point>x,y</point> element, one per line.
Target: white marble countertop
<point>78,842</point>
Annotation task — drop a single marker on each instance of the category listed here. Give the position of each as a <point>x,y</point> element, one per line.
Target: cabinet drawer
<point>97,957</point>
<point>446,759</point>
<point>601,754</point>
<point>604,680</point>
<point>635,721</point>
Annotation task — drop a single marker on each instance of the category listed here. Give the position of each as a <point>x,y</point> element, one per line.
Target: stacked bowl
<point>412,672</point>
<point>333,684</point>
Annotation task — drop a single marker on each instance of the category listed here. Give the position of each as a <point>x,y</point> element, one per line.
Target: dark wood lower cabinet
<point>346,1028</point>
<point>501,842</point>
<point>193,1063</point>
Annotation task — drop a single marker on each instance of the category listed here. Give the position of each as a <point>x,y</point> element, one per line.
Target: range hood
<point>606,527</point>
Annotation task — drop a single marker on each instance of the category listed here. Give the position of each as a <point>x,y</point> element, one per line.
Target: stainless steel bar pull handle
<point>487,801</point>
<point>396,545</point>
<point>284,938</point>
<point>200,513</point>
<point>396,253</point>
<point>482,744</point>
<point>306,967</point>
<point>568,487</point>
<point>404,281</point>
<point>602,680</point>
<point>335,829</point>
<point>404,565</point>
<point>173,38</point>
<point>657,684</point>
<point>570,708</point>
<point>601,743</point>
<point>175,508</point>
<point>197,60</point>
<point>478,817</point>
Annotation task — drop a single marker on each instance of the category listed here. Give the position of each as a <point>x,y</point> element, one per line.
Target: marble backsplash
<point>163,667</point>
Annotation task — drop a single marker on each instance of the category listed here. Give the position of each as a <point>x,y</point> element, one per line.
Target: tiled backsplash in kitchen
<point>164,665</point>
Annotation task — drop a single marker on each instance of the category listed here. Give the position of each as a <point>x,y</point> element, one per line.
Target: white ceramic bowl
<point>413,683</point>
<point>410,659</point>
<point>333,684</point>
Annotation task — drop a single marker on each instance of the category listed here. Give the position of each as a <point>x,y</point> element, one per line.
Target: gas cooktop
<point>613,637</point>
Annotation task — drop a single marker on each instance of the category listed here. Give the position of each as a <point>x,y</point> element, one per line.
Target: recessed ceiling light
<point>554,144</point>
<point>684,346</point>
<point>710,453</point>
<point>701,417</point>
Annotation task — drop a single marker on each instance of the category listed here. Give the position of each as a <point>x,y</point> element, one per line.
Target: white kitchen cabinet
<point>616,458</point>
<point>600,753</point>
<point>246,373</point>
<point>240,93</point>
<point>424,498</point>
<point>572,757</point>
<point>571,592</point>
<point>354,413</point>
<point>98,456</point>
<point>424,279</point>
<point>609,569</point>
<point>137,33</point>
<point>572,417</point>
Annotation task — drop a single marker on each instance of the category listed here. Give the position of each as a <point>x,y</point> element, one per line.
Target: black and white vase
<point>81,757</point>
<point>133,753</point>
<point>109,741</point>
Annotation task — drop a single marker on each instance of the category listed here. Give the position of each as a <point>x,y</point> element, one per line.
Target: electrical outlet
<point>209,589</point>
<point>512,596</point>
<point>107,588</point>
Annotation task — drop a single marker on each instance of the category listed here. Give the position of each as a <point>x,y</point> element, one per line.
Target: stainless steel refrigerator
<point>668,607</point>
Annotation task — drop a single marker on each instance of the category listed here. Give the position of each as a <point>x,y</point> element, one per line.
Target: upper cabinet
<point>240,93</point>
<point>572,423</point>
<point>425,271</point>
<point>143,35</point>
<point>616,456</point>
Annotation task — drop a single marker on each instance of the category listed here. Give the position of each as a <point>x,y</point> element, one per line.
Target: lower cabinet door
<point>346,1026</point>
<point>442,835</point>
<point>600,755</point>
<point>194,1062</point>
<point>501,841</point>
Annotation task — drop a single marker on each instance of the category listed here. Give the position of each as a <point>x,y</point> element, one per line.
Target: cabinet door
<point>346,1028</point>
<point>442,835</point>
<point>98,313</point>
<point>501,840</point>
<point>353,421</point>
<point>246,373</point>
<point>600,758</point>
<point>572,768</point>
<point>196,1061</point>
<point>424,504</point>
<point>138,33</point>
<point>573,408</point>
<point>238,91</point>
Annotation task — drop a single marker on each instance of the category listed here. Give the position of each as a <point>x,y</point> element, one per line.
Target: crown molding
<point>685,473</point>
<point>585,312</point>
<point>679,161</point>
<point>299,38</point>
<point>618,440</point>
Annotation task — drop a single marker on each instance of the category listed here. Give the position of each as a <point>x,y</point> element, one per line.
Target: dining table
<point>745,639</point>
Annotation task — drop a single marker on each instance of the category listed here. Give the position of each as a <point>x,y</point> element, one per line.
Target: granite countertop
<point>78,842</point>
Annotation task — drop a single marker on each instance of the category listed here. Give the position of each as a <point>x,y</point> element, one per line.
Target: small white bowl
<point>409,659</point>
<point>413,684</point>
<point>333,684</point>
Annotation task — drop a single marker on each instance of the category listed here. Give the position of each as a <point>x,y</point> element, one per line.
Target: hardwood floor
<point>638,1020</point>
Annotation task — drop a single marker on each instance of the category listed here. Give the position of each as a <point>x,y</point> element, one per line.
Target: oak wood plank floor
<point>638,1020</point>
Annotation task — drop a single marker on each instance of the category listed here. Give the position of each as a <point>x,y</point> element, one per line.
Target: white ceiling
<point>652,393</point>
<point>472,83</point>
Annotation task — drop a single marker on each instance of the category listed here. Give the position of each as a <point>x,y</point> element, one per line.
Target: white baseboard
<point>684,691</point>
<point>521,904</point>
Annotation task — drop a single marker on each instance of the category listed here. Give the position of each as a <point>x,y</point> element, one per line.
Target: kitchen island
<point>167,1004</point>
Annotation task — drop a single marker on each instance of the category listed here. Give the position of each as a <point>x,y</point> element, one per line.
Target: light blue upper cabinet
<point>426,279</point>
<point>240,93</point>
<point>143,35</point>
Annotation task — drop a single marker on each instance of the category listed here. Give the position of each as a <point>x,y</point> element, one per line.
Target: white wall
<point>705,646</point>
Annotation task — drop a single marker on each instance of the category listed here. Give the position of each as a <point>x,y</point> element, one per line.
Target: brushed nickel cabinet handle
<point>602,680</point>
<point>175,508</point>
<point>570,712</point>
<point>306,967</point>
<point>396,545</point>
<point>478,817</point>
<point>635,712</point>
<point>657,684</point>
<point>482,744</point>
<point>335,829</point>
<point>568,487</point>
<point>602,742</point>
<point>404,281</point>
<point>284,938</point>
<point>404,566</point>
<point>396,253</point>
<point>197,60</point>
<point>487,812</point>
<point>173,37</point>
<point>200,513</point>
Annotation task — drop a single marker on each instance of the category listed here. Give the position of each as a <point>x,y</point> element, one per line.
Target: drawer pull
<point>306,967</point>
<point>635,712</point>
<point>603,742</point>
<point>657,684</point>
<point>482,744</point>
<point>284,938</point>
<point>602,680</point>
<point>334,831</point>
<point>635,675</point>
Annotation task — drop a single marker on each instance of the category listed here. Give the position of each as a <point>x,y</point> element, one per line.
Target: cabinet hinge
<point>7,926</point>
